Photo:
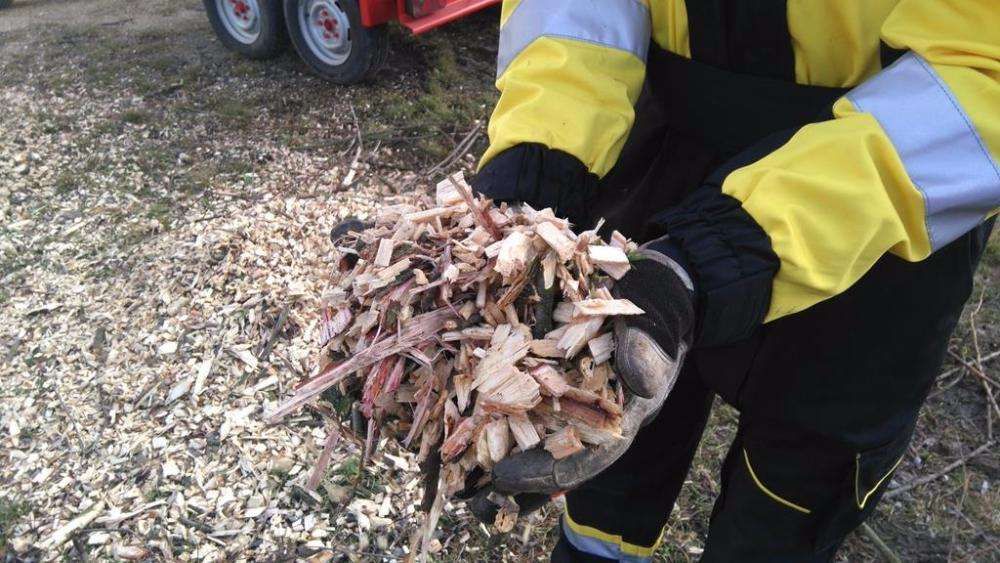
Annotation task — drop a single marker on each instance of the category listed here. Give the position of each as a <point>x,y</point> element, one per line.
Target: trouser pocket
<point>775,490</point>
<point>861,490</point>
<point>794,498</point>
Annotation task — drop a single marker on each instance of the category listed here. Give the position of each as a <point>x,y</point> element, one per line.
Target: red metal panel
<point>454,10</point>
<point>375,12</point>
<point>422,8</point>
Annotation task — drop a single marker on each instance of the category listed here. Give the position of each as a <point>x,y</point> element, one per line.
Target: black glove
<point>541,177</point>
<point>485,508</point>
<point>345,226</point>
<point>650,352</point>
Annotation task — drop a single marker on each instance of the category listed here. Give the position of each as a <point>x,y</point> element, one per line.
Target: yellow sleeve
<point>569,73</point>
<point>907,165</point>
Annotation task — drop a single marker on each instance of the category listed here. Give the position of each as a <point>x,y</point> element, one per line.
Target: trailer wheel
<point>330,38</point>
<point>252,28</point>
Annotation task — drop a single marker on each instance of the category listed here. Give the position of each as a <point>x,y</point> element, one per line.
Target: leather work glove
<point>649,354</point>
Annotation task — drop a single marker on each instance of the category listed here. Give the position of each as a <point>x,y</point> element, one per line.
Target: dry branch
<point>947,469</point>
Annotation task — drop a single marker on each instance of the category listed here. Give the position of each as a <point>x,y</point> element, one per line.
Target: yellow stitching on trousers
<point>768,492</point>
<point>627,548</point>
<point>857,485</point>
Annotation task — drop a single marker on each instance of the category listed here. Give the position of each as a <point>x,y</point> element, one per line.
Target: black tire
<point>5,3</point>
<point>271,41</point>
<point>369,46</point>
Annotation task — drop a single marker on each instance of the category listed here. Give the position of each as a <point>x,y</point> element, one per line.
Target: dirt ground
<point>163,212</point>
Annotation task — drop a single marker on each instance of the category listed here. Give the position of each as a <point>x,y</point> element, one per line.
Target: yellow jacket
<point>907,164</point>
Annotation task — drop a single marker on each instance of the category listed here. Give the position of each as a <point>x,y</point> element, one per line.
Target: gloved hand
<point>345,226</point>
<point>649,355</point>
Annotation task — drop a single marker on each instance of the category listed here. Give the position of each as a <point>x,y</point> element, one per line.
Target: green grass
<point>11,513</point>
<point>449,100</point>
<point>366,483</point>
<point>66,182</point>
<point>991,257</point>
<point>234,111</point>
<point>136,116</point>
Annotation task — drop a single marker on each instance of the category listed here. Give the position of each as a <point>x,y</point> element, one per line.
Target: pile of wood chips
<point>473,332</point>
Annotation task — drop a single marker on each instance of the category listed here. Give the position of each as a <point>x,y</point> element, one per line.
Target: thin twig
<point>989,414</point>
<point>332,437</point>
<point>961,371</point>
<point>426,532</point>
<point>880,544</point>
<point>265,351</point>
<point>991,401</point>
<point>987,358</point>
<point>460,149</point>
<point>481,217</point>
<point>924,480</point>
<point>972,368</point>
<point>192,523</point>
<point>353,168</point>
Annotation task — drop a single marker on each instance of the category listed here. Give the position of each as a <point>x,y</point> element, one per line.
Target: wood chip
<point>602,347</point>
<point>552,382</point>
<point>524,431</point>
<point>557,240</point>
<point>383,257</point>
<point>563,443</point>
<point>607,307</point>
<point>62,534</point>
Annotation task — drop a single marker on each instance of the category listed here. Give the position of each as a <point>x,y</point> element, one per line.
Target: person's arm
<point>907,164</point>
<point>569,73</point>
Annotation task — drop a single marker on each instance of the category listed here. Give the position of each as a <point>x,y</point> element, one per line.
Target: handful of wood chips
<point>473,331</point>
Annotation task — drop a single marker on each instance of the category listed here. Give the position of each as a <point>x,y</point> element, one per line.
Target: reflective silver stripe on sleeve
<point>618,24</point>
<point>942,151</point>
<point>600,548</point>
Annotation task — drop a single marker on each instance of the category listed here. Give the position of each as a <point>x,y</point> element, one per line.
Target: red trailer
<point>343,41</point>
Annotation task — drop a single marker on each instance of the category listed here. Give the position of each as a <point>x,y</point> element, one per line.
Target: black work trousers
<point>828,398</point>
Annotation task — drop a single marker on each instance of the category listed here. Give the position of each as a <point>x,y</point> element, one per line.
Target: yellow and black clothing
<point>824,169</point>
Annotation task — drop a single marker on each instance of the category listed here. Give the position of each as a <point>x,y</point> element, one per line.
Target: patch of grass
<point>136,116</point>
<point>233,111</point>
<point>153,158</point>
<point>163,63</point>
<point>450,100</point>
<point>54,123</point>
<point>66,182</point>
<point>365,482</point>
<point>340,402</point>
<point>155,493</point>
<point>246,67</point>
<point>161,211</point>
<point>991,257</point>
<point>11,513</point>
<point>202,175</point>
<point>235,167</point>
<point>350,469</point>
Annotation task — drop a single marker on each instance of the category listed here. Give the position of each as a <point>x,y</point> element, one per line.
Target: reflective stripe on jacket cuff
<point>940,148</point>
<point>615,24</point>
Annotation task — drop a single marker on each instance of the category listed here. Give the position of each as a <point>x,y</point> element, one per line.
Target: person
<point>813,182</point>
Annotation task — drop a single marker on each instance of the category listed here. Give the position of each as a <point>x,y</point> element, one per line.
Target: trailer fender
<point>377,12</point>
